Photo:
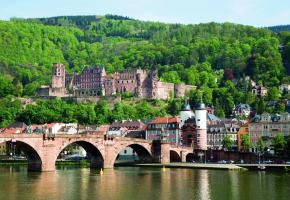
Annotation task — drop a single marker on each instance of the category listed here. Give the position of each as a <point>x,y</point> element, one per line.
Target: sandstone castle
<point>93,82</point>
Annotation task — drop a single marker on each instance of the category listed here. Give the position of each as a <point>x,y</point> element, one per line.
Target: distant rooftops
<point>165,120</point>
<point>266,117</point>
<point>17,125</point>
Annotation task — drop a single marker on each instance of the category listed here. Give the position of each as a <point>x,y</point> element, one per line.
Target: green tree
<point>279,143</point>
<point>227,142</point>
<point>6,87</point>
<point>103,113</point>
<point>174,106</point>
<point>170,77</point>
<point>261,145</point>
<point>245,142</point>
<point>273,94</point>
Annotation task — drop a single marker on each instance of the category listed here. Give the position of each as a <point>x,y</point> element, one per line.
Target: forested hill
<point>208,55</point>
<point>121,42</point>
<point>280,28</point>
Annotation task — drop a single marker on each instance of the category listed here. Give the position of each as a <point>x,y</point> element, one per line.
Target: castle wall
<point>181,89</point>
<point>109,86</point>
<point>126,85</point>
<point>146,85</point>
<point>164,90</point>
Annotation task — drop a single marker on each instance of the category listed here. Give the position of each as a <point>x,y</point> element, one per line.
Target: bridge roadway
<point>42,150</point>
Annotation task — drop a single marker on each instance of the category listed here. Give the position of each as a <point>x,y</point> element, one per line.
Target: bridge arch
<point>33,156</point>
<point>189,157</point>
<point>142,151</point>
<point>94,155</point>
<point>174,156</point>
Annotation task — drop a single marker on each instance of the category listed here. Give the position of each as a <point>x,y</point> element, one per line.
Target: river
<point>130,183</point>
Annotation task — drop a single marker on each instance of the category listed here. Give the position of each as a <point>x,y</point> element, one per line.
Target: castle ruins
<point>94,82</point>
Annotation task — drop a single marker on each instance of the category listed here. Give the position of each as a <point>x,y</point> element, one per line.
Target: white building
<point>284,88</point>
<point>242,110</point>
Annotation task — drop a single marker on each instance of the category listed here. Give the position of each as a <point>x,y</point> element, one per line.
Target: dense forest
<point>215,57</point>
<point>280,28</point>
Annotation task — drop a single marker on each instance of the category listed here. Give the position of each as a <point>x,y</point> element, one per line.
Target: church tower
<point>200,138</point>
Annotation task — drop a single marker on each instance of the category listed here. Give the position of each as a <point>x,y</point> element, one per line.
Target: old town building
<point>242,110</point>
<point>93,81</point>
<point>219,129</point>
<point>164,128</point>
<point>127,128</point>
<point>244,130</point>
<point>267,126</point>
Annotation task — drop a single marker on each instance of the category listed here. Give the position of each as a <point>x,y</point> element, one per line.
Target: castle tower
<point>58,76</point>
<point>154,84</point>
<point>57,81</point>
<point>200,138</point>
<point>185,113</point>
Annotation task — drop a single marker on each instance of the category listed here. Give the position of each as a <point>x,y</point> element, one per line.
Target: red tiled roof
<point>164,120</point>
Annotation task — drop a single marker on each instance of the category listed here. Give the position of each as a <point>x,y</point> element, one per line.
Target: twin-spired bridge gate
<point>43,150</point>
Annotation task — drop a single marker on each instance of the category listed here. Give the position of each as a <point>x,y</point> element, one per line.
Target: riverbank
<point>268,167</point>
<point>185,165</point>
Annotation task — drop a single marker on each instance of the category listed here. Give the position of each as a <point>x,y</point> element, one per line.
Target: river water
<point>133,183</point>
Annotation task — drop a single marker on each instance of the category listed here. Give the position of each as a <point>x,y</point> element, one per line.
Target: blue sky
<point>251,12</point>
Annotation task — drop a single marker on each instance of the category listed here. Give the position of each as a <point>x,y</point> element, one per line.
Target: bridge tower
<point>185,112</point>
<point>200,139</point>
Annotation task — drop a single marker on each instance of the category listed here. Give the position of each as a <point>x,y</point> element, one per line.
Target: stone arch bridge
<point>42,150</point>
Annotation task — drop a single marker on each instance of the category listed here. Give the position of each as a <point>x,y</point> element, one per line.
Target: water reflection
<point>141,183</point>
<point>203,189</point>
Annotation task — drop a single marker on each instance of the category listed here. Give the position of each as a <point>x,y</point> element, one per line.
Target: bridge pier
<point>110,156</point>
<point>165,152</point>
<point>96,163</point>
<point>183,156</point>
<point>48,165</point>
<point>34,165</point>
<point>48,155</point>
